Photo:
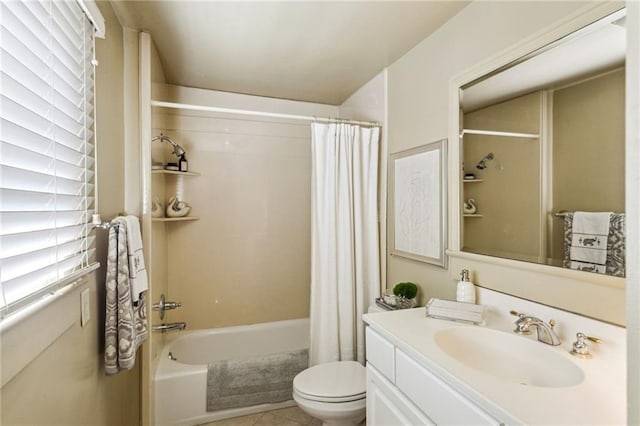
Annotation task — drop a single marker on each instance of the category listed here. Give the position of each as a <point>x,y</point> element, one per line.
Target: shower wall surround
<point>247,260</point>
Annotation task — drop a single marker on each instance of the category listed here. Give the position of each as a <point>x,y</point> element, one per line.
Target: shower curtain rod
<point>177,105</point>
<point>497,133</point>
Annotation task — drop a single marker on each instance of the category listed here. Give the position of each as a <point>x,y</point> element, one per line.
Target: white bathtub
<point>180,392</point>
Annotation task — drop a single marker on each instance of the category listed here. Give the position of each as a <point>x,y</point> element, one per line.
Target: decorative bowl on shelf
<point>399,302</point>
<point>157,209</point>
<point>177,208</point>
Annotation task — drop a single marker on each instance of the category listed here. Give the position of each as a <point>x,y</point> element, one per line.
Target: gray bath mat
<point>259,380</point>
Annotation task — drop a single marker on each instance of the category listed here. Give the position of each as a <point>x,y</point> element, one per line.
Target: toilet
<point>334,392</point>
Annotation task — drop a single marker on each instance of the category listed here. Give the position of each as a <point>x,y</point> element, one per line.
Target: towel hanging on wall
<point>137,272</point>
<point>125,320</point>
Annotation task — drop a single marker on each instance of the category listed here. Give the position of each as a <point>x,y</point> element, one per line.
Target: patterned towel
<point>125,323</point>
<point>615,247</point>
<point>137,271</point>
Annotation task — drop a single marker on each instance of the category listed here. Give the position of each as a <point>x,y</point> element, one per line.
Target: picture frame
<point>418,203</point>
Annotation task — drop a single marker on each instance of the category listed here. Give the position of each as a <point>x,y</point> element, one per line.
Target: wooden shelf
<point>472,215</point>
<point>472,180</point>
<point>171,172</point>
<point>174,219</point>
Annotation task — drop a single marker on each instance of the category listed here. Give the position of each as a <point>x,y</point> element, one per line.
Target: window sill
<point>27,333</point>
<point>20,315</point>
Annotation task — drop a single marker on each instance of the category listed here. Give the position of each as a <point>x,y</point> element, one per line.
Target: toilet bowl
<point>334,392</point>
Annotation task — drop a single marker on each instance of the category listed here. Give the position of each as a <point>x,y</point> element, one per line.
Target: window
<point>46,148</point>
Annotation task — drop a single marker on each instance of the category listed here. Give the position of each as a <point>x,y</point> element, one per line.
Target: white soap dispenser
<point>466,291</point>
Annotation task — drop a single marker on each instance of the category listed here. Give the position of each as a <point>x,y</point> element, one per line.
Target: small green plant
<point>407,290</point>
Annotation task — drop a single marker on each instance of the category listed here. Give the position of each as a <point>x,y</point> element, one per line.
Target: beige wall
<point>508,198</point>
<point>419,103</point>
<point>65,384</point>
<point>588,148</point>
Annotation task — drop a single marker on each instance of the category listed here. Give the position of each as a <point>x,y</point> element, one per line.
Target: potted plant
<point>404,295</point>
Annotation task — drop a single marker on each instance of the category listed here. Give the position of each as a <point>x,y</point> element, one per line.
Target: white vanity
<point>427,371</point>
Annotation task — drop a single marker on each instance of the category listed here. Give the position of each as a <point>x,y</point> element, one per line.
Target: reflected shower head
<point>483,163</point>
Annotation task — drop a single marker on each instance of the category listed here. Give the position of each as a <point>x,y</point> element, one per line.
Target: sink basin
<point>509,357</point>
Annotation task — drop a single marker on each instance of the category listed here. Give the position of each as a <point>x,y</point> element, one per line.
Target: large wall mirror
<point>542,145</point>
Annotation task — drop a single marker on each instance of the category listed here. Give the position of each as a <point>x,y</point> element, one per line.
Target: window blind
<point>46,148</point>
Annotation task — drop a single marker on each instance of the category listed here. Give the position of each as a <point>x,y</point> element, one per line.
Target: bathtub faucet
<point>163,305</point>
<point>163,328</point>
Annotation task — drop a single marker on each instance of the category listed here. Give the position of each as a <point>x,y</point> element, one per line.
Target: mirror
<point>542,139</point>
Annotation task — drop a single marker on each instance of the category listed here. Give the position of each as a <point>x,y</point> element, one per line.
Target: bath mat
<point>253,381</point>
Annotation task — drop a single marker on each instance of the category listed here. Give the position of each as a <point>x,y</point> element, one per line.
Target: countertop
<point>599,399</point>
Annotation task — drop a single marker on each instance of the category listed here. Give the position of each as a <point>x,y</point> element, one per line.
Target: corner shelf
<point>172,172</point>
<point>473,215</point>
<point>174,219</point>
<point>472,180</point>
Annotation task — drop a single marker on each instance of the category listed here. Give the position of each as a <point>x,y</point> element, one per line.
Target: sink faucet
<point>544,330</point>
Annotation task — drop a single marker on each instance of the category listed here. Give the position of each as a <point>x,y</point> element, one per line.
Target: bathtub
<point>180,386</point>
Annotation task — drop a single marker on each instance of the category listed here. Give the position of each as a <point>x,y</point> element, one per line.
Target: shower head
<point>178,150</point>
<point>483,163</point>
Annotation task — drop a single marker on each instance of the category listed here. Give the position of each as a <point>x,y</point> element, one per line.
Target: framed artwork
<point>418,197</point>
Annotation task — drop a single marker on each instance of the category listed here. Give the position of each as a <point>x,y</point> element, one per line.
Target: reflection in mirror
<point>543,155</point>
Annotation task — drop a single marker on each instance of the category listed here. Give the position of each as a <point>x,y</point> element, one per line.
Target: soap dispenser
<point>466,291</point>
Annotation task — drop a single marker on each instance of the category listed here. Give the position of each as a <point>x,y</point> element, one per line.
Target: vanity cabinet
<point>402,391</point>
<point>386,405</point>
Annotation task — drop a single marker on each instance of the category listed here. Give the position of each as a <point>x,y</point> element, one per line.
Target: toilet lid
<point>338,381</point>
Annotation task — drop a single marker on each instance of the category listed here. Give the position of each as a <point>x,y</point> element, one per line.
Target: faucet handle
<point>580,347</point>
<point>163,305</point>
<point>521,327</point>
<point>516,313</point>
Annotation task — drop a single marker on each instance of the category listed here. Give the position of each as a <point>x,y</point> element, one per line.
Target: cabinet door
<point>441,403</point>
<point>386,406</point>
<point>381,354</point>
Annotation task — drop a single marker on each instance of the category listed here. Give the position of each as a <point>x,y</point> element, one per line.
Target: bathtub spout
<point>163,328</point>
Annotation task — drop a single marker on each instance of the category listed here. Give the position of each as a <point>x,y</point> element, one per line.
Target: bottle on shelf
<point>183,165</point>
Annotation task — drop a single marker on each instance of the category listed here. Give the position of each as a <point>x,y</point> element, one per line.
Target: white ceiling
<point>317,51</point>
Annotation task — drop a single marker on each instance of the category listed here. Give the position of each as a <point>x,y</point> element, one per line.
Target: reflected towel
<point>615,247</point>
<point>590,236</point>
<point>588,267</point>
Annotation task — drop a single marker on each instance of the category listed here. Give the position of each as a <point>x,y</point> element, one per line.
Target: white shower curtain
<point>345,262</point>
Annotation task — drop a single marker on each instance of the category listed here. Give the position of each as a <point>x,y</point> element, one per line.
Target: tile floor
<point>291,416</point>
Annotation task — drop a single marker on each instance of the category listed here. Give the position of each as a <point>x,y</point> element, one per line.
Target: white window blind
<point>46,148</point>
